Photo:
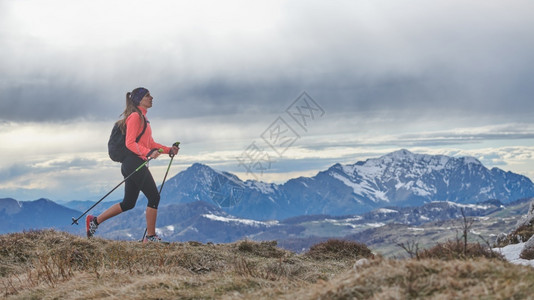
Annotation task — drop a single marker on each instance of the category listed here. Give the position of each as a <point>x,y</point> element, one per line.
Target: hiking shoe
<point>90,225</point>
<point>152,238</point>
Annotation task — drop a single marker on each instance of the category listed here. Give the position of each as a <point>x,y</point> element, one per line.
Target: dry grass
<point>50,264</point>
<point>335,249</point>
<point>56,265</point>
<point>451,250</point>
<point>527,252</point>
<point>427,279</point>
<point>262,249</point>
<point>521,234</point>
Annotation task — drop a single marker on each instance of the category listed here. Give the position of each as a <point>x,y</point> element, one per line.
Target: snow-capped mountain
<point>400,178</point>
<point>249,199</point>
<point>405,178</point>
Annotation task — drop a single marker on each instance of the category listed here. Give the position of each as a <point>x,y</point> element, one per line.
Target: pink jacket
<point>134,127</point>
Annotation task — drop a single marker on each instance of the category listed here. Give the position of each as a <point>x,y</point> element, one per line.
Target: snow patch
<point>375,225</point>
<point>240,221</point>
<point>381,195</point>
<point>356,188</point>
<point>338,222</point>
<point>421,192</point>
<point>386,211</point>
<point>362,189</point>
<point>262,187</point>
<point>512,252</point>
<point>471,160</point>
<point>472,206</point>
<point>416,229</point>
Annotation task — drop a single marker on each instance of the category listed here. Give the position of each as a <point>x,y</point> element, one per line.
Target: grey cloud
<point>358,59</point>
<point>457,139</point>
<point>441,138</point>
<point>77,163</point>
<point>21,169</point>
<point>433,94</point>
<point>52,102</point>
<point>14,171</point>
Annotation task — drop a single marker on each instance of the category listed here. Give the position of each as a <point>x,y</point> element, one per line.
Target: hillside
<point>52,265</point>
<point>381,230</point>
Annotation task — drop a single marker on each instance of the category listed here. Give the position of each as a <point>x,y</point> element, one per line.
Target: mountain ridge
<point>204,204</point>
<point>400,178</point>
<point>38,214</point>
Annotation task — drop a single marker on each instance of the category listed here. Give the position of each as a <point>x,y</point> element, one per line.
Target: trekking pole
<point>75,221</point>
<point>177,144</point>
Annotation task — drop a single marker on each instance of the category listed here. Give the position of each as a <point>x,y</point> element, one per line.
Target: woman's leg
<point>131,190</point>
<point>151,216</point>
<point>143,181</point>
<point>132,186</point>
<point>114,210</point>
<point>151,192</point>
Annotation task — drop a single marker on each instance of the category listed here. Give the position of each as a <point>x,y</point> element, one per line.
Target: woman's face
<point>146,102</point>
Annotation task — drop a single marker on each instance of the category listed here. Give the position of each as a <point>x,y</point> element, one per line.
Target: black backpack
<point>117,143</point>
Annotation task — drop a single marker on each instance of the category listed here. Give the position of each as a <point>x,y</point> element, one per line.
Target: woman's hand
<point>174,150</point>
<point>155,154</point>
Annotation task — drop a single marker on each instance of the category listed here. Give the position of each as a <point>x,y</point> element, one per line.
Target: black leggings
<point>141,180</point>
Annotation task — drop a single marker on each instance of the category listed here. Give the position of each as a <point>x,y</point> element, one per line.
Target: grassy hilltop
<point>57,265</point>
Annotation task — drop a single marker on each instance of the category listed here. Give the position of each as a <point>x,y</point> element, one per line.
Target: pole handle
<point>176,144</point>
<point>152,151</point>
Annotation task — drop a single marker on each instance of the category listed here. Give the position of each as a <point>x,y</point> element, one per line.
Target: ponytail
<point>130,108</point>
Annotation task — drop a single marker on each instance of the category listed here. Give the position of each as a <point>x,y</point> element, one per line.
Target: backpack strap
<point>142,132</point>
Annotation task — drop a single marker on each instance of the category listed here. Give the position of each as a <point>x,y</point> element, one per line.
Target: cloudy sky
<point>267,90</point>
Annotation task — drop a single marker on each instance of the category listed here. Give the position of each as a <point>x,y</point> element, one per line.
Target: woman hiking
<point>132,124</point>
